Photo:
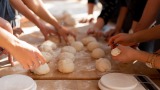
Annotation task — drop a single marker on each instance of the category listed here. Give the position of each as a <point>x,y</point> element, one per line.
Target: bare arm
<point>5,25</point>
<point>149,15</point>
<point>25,53</point>
<point>37,6</point>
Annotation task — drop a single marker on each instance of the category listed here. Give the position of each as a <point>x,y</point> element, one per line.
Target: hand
<point>47,30</point>
<point>64,32</point>
<point>127,54</point>
<point>122,38</point>
<point>89,19</point>
<point>95,32</point>
<point>28,56</point>
<point>111,33</point>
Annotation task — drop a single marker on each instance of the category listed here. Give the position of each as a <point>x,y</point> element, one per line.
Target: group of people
<point>141,15</point>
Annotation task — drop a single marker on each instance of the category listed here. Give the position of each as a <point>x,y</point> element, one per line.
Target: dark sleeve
<point>108,10</point>
<point>92,1</point>
<point>123,3</point>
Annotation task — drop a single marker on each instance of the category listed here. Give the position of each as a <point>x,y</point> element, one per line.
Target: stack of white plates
<point>17,82</point>
<point>117,81</point>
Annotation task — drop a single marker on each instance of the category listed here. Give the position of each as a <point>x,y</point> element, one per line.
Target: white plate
<point>119,81</point>
<point>17,82</point>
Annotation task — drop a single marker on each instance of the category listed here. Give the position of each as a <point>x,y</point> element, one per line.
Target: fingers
<point>113,40</point>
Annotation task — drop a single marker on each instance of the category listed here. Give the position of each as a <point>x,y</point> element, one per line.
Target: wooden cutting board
<point>84,64</point>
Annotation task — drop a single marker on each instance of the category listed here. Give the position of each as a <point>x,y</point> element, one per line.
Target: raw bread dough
<point>66,14</point>
<point>66,66</point>
<point>103,65</point>
<point>93,45</point>
<point>17,82</point>
<point>66,55</point>
<point>88,39</point>
<point>98,53</point>
<point>119,81</point>
<point>47,46</point>
<point>69,20</point>
<point>115,52</point>
<point>69,49</point>
<point>42,69</point>
<point>70,39</point>
<point>47,56</point>
<point>77,45</point>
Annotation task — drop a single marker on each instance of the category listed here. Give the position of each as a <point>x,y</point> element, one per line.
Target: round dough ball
<point>93,45</point>
<point>77,45</point>
<point>69,20</point>
<point>71,39</point>
<point>47,56</point>
<point>47,46</point>
<point>115,52</point>
<point>66,55</point>
<point>98,53</point>
<point>42,69</point>
<point>87,40</point>
<point>66,66</point>
<point>66,14</point>
<point>103,65</point>
<point>69,49</point>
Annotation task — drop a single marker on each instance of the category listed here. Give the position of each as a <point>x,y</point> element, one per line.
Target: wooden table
<point>85,72</point>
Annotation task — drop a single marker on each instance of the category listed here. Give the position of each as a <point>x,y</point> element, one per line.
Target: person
<point>134,8</point>
<point>28,56</point>
<point>35,11</point>
<point>108,8</point>
<point>142,34</point>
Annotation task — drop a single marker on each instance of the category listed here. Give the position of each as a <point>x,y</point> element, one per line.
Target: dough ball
<point>70,21</point>
<point>69,49</point>
<point>70,39</point>
<point>42,69</point>
<point>93,45</point>
<point>47,56</point>
<point>77,45</point>
<point>47,46</point>
<point>66,66</point>
<point>87,40</point>
<point>66,55</point>
<point>115,52</point>
<point>103,65</point>
<point>98,53</point>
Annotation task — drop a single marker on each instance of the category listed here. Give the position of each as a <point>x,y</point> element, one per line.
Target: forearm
<point>5,25</point>
<point>23,9</point>
<point>149,15</point>
<point>7,40</point>
<point>121,18</point>
<point>99,24</point>
<point>37,6</point>
<point>146,35</point>
<point>90,8</point>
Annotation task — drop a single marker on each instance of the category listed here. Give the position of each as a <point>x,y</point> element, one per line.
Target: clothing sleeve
<point>107,10</point>
<point>92,1</point>
<point>123,3</point>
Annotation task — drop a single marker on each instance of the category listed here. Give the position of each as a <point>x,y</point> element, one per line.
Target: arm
<point>25,53</point>
<point>5,25</point>
<point>119,24</point>
<point>37,6</point>
<point>129,54</point>
<point>149,15</point>
<point>132,39</point>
